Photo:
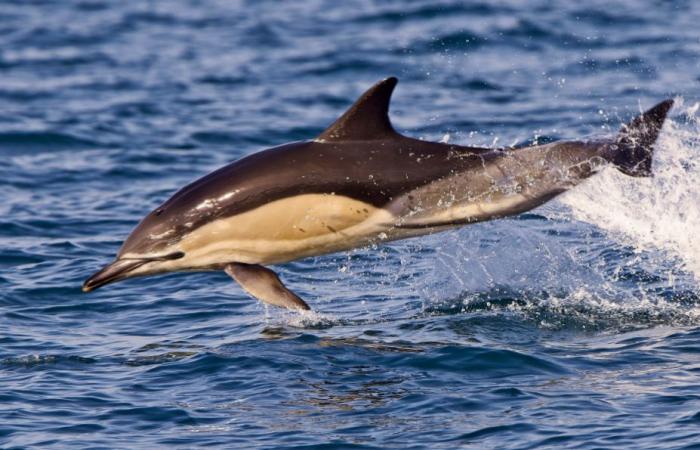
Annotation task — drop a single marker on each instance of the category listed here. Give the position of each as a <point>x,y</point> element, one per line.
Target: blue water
<point>574,326</point>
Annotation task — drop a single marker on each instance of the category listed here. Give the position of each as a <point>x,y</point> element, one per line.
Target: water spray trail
<point>659,213</point>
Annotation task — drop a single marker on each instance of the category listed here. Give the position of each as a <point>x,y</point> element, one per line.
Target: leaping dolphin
<point>359,182</point>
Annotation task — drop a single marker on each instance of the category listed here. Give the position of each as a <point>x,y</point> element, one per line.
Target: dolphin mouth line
<point>120,269</point>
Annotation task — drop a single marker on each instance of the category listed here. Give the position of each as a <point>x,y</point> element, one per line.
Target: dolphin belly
<point>286,229</point>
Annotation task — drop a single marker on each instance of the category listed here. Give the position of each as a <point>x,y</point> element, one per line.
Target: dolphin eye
<point>159,211</point>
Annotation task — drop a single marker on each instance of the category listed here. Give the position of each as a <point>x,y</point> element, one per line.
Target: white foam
<point>310,319</point>
<point>660,213</point>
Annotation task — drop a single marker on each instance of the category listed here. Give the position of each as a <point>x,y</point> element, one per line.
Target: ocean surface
<point>576,325</point>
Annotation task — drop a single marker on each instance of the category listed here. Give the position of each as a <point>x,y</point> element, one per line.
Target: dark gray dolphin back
<point>358,156</point>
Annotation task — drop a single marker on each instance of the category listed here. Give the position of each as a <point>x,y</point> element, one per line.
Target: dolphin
<point>359,182</point>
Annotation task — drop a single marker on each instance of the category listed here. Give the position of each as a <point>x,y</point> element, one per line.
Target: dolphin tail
<point>633,148</point>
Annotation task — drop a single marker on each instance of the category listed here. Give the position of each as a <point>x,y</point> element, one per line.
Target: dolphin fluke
<point>634,147</point>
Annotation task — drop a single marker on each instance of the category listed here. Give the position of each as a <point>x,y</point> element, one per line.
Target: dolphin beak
<point>118,270</point>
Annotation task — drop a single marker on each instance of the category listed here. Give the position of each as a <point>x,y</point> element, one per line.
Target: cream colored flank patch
<point>285,229</point>
<point>313,224</point>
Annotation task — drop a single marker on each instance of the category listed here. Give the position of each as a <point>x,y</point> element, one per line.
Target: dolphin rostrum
<point>358,183</point>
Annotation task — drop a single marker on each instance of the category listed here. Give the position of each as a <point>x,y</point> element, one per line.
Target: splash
<point>630,258</point>
<point>660,213</point>
<point>309,319</point>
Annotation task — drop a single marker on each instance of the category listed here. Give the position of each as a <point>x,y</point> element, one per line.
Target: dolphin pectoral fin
<point>265,285</point>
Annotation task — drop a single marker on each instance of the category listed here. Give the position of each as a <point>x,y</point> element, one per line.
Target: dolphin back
<point>634,147</point>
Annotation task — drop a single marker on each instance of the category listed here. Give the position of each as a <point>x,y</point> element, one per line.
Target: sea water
<point>576,325</point>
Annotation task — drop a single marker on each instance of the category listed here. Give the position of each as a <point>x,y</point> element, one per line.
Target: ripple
<point>458,40</point>
<point>21,141</point>
<point>31,361</point>
<point>484,362</point>
<point>423,12</point>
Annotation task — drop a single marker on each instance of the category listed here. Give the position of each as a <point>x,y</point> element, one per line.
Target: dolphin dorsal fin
<point>367,119</point>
